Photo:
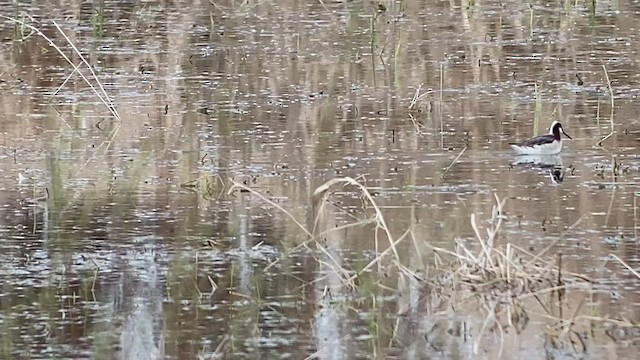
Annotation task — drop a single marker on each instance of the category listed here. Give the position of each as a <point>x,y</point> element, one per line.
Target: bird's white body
<point>549,144</point>
<point>551,148</point>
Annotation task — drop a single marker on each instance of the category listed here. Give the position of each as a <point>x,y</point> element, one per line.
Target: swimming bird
<point>549,144</point>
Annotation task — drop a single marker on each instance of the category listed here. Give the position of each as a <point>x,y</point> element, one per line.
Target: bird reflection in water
<point>551,163</point>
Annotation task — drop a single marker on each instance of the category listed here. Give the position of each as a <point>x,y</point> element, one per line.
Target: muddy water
<point>122,240</point>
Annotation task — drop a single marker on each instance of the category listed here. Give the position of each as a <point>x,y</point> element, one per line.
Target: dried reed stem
<point>102,94</point>
<point>453,163</point>
<point>606,74</point>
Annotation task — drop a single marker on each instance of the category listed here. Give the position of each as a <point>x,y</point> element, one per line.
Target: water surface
<point>120,239</point>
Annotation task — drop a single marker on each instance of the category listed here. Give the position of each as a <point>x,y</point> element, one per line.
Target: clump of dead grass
<point>492,287</point>
<point>487,264</point>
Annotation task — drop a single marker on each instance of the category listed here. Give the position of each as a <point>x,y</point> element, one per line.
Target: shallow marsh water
<point>120,240</point>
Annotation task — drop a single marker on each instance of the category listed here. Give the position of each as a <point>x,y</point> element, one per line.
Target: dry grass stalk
<point>623,263</point>
<point>417,97</point>
<point>440,102</point>
<point>453,162</point>
<point>606,74</point>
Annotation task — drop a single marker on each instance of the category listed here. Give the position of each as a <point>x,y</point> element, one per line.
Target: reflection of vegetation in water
<point>19,29</point>
<point>462,286</point>
<point>591,4</point>
<point>531,21</point>
<point>8,327</point>
<point>371,304</point>
<point>209,186</point>
<point>538,110</point>
<point>97,19</point>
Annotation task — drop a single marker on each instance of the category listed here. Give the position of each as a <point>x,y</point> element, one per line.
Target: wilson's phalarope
<point>549,144</point>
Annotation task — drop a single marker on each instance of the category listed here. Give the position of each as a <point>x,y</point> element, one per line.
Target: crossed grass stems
<point>501,278</point>
<point>92,80</point>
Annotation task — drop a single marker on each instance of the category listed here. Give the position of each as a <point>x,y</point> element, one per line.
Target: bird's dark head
<point>557,130</point>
